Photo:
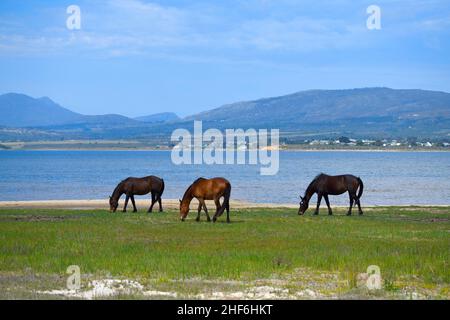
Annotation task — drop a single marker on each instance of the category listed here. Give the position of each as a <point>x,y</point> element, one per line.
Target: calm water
<point>389,178</point>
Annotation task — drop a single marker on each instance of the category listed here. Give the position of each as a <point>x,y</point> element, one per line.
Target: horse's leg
<point>160,204</point>
<point>218,207</point>
<point>328,204</point>
<point>206,210</point>
<point>153,203</point>
<point>133,203</point>
<point>349,213</point>
<point>199,210</point>
<point>319,199</point>
<point>359,205</point>
<point>226,203</point>
<point>126,203</point>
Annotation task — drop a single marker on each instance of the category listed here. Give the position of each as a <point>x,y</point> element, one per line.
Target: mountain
<point>363,112</point>
<point>358,113</point>
<point>317,106</point>
<point>159,117</point>
<point>19,110</point>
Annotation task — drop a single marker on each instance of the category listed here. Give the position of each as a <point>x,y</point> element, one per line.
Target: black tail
<point>226,200</point>
<point>361,188</point>
<point>162,188</point>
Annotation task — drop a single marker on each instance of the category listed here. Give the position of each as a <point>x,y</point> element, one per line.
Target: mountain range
<point>364,113</point>
<point>159,117</point>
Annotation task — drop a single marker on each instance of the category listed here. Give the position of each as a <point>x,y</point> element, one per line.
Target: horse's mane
<point>312,182</point>
<point>201,178</point>
<point>116,190</point>
<point>318,176</point>
<point>190,187</point>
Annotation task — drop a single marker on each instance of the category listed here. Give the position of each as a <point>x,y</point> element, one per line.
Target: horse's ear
<point>179,200</point>
<point>301,198</point>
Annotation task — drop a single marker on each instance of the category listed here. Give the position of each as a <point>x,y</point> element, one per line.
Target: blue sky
<point>137,57</point>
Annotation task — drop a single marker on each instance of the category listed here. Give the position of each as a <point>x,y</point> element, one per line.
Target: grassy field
<point>267,253</point>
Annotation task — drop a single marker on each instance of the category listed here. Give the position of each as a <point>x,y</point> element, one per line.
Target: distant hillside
<point>318,106</point>
<point>19,110</point>
<point>159,117</point>
<point>358,113</point>
<point>361,112</point>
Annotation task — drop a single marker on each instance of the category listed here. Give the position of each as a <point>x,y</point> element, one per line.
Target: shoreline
<point>280,150</point>
<point>167,204</point>
<point>134,145</point>
<point>140,204</point>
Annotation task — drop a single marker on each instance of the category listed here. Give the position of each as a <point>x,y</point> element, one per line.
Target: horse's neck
<point>309,192</point>
<point>118,192</point>
<point>187,198</point>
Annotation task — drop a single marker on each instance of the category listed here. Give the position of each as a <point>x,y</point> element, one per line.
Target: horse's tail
<point>226,200</point>
<point>162,187</point>
<point>361,187</point>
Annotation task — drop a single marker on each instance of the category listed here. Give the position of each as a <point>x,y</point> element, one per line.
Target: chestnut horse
<point>137,186</point>
<point>207,189</point>
<point>325,185</point>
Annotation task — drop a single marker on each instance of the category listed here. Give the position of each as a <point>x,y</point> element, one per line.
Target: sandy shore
<point>167,204</point>
<point>141,203</point>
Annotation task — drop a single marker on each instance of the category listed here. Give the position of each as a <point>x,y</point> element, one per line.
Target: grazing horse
<point>325,185</point>
<point>207,189</point>
<point>137,186</point>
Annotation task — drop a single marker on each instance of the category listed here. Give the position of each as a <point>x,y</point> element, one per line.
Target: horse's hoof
<point>361,213</point>
<point>349,214</point>
<point>316,213</point>
<point>209,220</point>
<point>330,213</point>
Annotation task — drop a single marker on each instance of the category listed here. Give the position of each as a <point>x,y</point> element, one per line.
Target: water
<point>389,177</point>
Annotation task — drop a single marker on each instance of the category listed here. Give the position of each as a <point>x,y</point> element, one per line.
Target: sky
<point>136,57</point>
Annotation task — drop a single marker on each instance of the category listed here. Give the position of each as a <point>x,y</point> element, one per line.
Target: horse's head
<point>303,206</point>
<point>113,204</point>
<point>184,210</point>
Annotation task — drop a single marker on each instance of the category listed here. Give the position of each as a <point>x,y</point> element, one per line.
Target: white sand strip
<point>140,204</point>
<point>144,203</point>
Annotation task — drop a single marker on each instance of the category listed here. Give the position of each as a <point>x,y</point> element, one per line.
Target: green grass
<point>410,245</point>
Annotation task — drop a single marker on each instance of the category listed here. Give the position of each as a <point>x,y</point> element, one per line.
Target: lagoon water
<point>401,178</point>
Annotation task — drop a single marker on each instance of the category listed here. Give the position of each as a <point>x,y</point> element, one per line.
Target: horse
<point>137,186</point>
<point>325,185</point>
<point>207,189</point>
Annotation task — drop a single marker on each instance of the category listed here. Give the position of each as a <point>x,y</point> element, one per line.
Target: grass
<point>410,245</point>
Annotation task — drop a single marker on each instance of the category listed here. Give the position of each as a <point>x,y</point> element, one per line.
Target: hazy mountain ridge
<point>367,112</point>
<point>316,106</point>
<point>158,117</point>
<point>21,111</point>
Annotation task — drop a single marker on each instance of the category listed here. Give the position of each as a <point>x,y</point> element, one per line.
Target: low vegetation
<point>321,254</point>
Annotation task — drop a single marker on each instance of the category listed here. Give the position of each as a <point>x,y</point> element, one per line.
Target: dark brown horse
<point>137,186</point>
<point>207,189</point>
<point>325,185</point>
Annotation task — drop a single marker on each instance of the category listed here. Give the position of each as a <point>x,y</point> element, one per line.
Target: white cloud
<point>131,27</point>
